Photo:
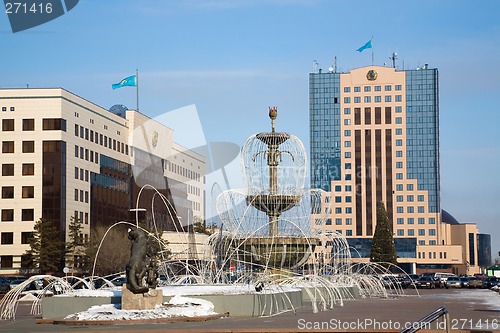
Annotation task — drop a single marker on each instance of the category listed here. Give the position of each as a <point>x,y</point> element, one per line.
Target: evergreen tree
<point>74,248</point>
<point>46,251</point>
<point>383,250</point>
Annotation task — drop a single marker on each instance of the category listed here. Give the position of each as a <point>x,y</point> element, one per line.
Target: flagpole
<point>372,51</point>
<point>137,86</point>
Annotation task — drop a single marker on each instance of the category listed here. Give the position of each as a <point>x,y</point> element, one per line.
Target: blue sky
<point>233,59</point>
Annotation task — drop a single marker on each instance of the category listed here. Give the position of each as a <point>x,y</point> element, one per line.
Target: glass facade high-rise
<point>374,138</point>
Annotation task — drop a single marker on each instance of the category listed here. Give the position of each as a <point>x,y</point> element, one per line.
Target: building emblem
<point>371,75</point>
<point>154,139</point>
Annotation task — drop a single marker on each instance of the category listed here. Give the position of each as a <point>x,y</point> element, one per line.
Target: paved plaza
<point>469,309</point>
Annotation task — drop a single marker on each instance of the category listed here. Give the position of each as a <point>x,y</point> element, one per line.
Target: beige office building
<point>64,156</point>
<point>375,138</point>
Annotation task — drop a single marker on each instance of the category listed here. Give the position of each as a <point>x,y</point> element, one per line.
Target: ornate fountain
<point>272,228</point>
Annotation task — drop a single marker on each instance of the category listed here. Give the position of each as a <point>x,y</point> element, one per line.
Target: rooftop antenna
<point>394,57</point>
<point>315,66</point>
<point>335,65</point>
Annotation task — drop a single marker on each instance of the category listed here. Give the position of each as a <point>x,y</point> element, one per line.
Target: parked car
<point>464,281</point>
<point>476,282</point>
<point>426,281</point>
<point>453,282</point>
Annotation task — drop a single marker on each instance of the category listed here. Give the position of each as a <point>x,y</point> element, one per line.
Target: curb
<point>130,321</point>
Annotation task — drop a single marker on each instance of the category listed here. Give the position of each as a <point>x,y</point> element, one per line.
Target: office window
<point>347,154</point>
<point>7,125</point>
<point>421,209</point>
<point>432,220</point>
<point>368,88</point>
<point>399,187</point>
<point>432,232</point>
<point>411,220</point>
<point>338,188</point>
<point>28,169</point>
<point>399,153</point>
<point>399,165</point>
<point>7,192</point>
<point>28,124</point>
<point>76,195</point>
<point>421,232</point>
<point>348,177</point>
<point>28,192</point>
<point>348,188</point>
<point>411,232</point>
<point>7,169</point>
<point>348,210</point>
<point>54,124</point>
<point>357,89</point>
<point>399,131</point>
<point>27,215</point>
<point>400,232</point>
<point>400,209</point>
<point>410,209</point>
<point>338,221</point>
<point>7,215</point>
<point>28,146</point>
<point>7,238</point>
<point>328,222</point>
<point>399,175</point>
<point>357,99</point>
<point>338,210</point>
<point>387,88</point>
<point>378,88</point>
<point>348,232</point>
<point>347,89</point>
<point>409,198</point>
<point>399,109</point>
<point>347,110</point>
<point>25,237</point>
<point>338,199</point>
<point>420,242</point>
<point>397,87</point>
<point>400,220</point>
<point>378,99</point>
<point>7,147</point>
<point>348,221</point>
<point>421,220</point>
<point>348,199</point>
<point>399,142</point>
<point>76,129</point>
<point>398,98</point>
<point>368,99</point>
<point>348,166</point>
<point>399,198</point>
<point>420,198</point>
<point>388,98</point>
<point>347,100</point>
<point>347,132</point>
<point>347,143</point>
<point>409,187</point>
<point>399,120</point>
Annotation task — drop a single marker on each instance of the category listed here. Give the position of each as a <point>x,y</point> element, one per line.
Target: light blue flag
<point>130,81</point>
<point>368,45</point>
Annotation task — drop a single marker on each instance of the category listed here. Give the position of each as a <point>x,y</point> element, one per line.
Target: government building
<point>374,137</point>
<point>64,157</point>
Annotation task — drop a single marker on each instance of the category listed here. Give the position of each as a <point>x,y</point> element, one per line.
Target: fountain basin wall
<point>247,305</point>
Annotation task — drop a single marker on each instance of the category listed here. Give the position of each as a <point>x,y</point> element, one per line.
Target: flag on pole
<point>130,81</point>
<point>368,45</point>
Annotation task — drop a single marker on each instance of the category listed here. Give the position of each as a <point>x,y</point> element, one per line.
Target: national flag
<point>368,45</point>
<point>130,81</point>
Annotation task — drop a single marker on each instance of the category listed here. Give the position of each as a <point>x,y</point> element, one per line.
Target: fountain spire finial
<point>273,113</point>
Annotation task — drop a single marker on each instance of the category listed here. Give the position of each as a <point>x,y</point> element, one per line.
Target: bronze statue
<point>142,270</point>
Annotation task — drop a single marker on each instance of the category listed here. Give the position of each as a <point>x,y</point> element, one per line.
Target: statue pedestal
<point>147,301</point>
